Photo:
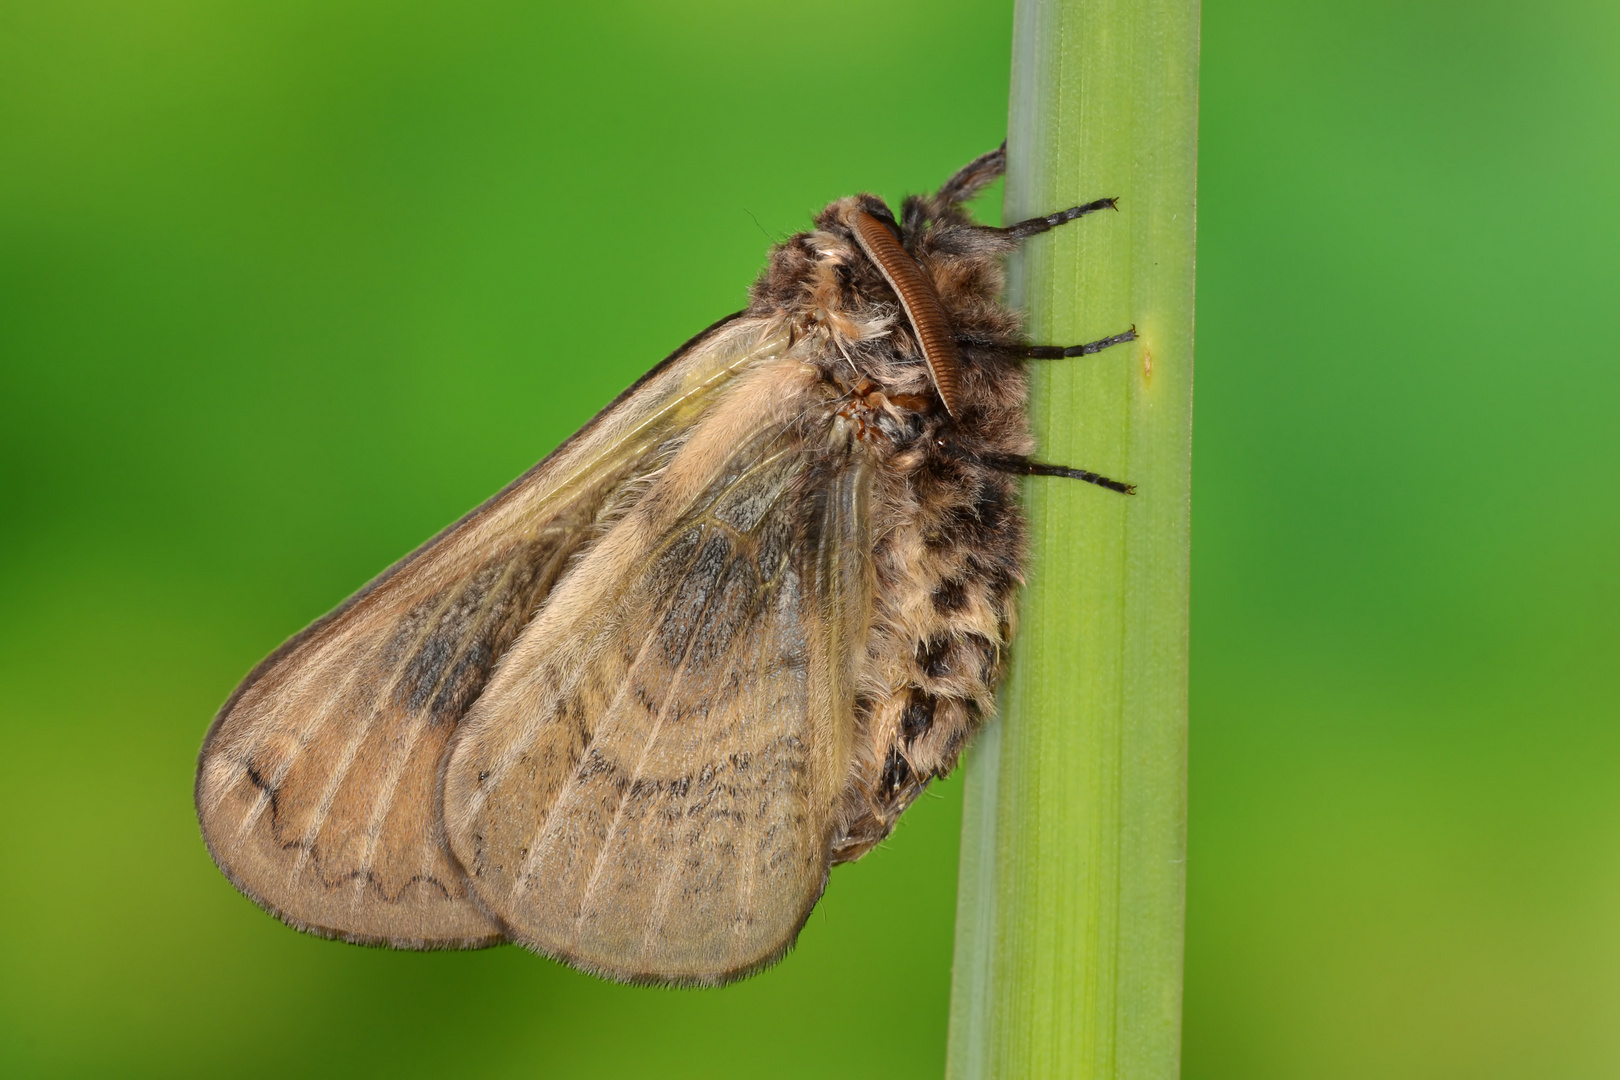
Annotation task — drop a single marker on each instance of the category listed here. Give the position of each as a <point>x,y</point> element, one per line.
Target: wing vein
<point>540,844</point>
<point>748,841</point>
<point>351,750</point>
<point>664,895</point>
<point>401,756</point>
<point>305,734</point>
<point>646,752</point>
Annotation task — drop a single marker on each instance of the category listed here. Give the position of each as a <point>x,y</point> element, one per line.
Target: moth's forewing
<point>648,786</point>
<point>317,786</point>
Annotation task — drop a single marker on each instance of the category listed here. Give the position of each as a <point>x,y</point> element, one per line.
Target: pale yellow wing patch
<point>647,788</point>
<point>317,787</point>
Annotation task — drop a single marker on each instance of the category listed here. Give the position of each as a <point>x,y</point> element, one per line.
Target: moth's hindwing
<point>317,786</point>
<point>648,786</point>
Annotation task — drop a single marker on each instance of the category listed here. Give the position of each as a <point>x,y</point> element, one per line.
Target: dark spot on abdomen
<point>934,657</point>
<point>919,715</point>
<point>950,597</point>
<point>896,772</point>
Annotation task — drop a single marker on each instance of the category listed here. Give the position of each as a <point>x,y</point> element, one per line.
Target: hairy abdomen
<point>948,561</point>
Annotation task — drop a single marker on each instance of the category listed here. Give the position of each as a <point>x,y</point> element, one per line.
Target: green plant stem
<point>1070,913</point>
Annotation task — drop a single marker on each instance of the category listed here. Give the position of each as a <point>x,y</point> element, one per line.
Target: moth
<point>630,711</point>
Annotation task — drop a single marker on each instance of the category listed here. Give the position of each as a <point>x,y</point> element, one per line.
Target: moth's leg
<point>1023,230</point>
<point>914,212</point>
<point>973,176</point>
<point>1025,467</point>
<point>945,205</point>
<point>1062,352</point>
<point>1044,352</point>
<point>967,239</point>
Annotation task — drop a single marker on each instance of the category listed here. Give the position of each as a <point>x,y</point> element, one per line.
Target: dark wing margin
<point>648,788</point>
<point>317,784</point>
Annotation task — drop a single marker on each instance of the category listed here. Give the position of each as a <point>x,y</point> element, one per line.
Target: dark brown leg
<point>1046,352</point>
<point>1023,230</point>
<point>1061,352</point>
<point>975,175</point>
<point>1023,466</point>
<point>1026,467</point>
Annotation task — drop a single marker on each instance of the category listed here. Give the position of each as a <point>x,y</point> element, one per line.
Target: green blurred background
<point>284,287</point>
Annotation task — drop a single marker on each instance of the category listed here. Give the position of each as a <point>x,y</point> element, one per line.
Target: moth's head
<point>871,228</point>
<point>838,241</point>
<point>839,217</point>
<point>845,261</point>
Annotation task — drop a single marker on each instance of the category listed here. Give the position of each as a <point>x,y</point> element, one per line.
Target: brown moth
<point>630,711</point>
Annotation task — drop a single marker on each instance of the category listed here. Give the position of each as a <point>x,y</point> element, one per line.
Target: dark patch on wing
<point>692,597</point>
<point>732,608</point>
<point>469,626</point>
